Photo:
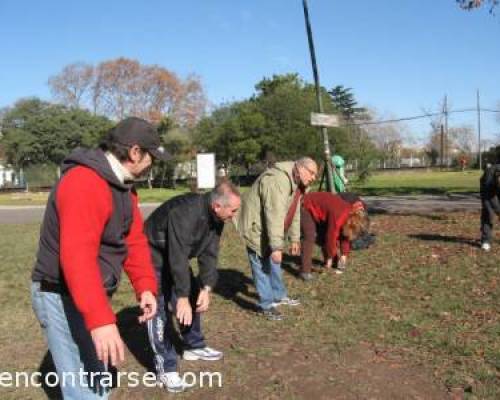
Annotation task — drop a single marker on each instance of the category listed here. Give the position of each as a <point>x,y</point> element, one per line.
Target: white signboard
<point>328,120</point>
<point>205,170</point>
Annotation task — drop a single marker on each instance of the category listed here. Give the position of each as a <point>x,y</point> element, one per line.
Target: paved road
<point>420,204</point>
<point>423,204</point>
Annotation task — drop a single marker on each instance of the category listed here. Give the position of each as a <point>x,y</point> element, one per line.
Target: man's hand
<point>277,256</point>
<point>148,306</point>
<point>184,311</point>
<point>295,249</point>
<point>203,301</point>
<point>108,344</point>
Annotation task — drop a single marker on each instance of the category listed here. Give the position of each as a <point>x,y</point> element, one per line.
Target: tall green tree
<point>37,132</point>
<point>235,132</point>
<point>345,104</point>
<point>275,124</point>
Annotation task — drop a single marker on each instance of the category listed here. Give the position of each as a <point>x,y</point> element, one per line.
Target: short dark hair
<point>119,150</point>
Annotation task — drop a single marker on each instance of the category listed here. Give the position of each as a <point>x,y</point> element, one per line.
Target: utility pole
<point>324,132</point>
<point>479,155</point>
<point>446,149</point>
<point>442,146</point>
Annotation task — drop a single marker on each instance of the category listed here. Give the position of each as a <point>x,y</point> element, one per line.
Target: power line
<point>435,114</point>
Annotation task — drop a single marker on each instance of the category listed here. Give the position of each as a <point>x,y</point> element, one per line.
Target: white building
<point>8,176</point>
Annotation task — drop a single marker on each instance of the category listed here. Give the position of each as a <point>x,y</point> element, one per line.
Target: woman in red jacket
<point>329,220</point>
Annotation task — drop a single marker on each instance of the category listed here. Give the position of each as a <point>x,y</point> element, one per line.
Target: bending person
<point>331,222</point>
<point>185,227</point>
<point>270,210</point>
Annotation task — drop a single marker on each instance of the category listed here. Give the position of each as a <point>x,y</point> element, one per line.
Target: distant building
<point>8,176</point>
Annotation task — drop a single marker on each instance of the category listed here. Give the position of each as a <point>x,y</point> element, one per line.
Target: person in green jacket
<point>269,211</point>
<point>339,179</point>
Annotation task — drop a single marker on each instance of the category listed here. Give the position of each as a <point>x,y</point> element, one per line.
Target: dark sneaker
<point>272,314</point>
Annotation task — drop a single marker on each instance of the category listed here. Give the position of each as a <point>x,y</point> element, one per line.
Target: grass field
<point>395,183</point>
<point>416,316</point>
<point>408,182</point>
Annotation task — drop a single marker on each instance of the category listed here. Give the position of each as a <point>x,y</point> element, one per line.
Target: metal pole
<point>442,146</point>
<point>446,149</point>
<point>479,132</point>
<point>324,132</point>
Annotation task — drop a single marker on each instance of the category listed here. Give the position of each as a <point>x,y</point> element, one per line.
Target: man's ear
<point>134,153</point>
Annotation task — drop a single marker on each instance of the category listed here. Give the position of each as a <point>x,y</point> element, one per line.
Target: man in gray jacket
<point>269,210</point>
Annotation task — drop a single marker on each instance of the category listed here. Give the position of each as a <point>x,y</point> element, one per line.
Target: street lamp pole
<point>324,132</point>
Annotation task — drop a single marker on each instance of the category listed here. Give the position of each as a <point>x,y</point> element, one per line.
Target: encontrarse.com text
<point>104,379</point>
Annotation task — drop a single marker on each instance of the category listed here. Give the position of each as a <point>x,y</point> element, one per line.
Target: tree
<point>473,4</point>
<point>492,155</point>
<point>37,132</point>
<point>235,132</point>
<point>274,124</point>
<point>388,139</point>
<point>352,140</point>
<point>462,139</point>
<point>345,104</point>
<point>72,84</point>
<point>123,87</point>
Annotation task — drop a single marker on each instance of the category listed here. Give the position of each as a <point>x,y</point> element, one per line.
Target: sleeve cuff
<point>94,320</point>
<point>146,285</point>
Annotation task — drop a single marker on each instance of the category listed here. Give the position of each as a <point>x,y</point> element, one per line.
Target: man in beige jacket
<point>269,211</point>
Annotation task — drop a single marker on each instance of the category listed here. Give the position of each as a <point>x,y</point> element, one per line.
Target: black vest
<point>112,250</point>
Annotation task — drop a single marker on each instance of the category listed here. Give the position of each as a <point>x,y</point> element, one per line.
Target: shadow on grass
<point>445,238</point>
<point>135,336</point>
<point>291,264</point>
<point>232,284</point>
<point>47,382</point>
<point>47,366</point>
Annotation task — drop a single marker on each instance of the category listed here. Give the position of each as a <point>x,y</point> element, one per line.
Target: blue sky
<point>399,56</point>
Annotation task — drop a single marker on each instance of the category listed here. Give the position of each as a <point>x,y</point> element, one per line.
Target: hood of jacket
<point>97,161</point>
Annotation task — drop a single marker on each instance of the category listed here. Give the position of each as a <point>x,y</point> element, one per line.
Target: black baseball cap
<point>137,131</point>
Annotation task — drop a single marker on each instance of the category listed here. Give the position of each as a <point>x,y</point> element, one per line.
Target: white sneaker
<point>172,381</point>
<point>486,246</point>
<point>206,354</point>
<point>286,301</point>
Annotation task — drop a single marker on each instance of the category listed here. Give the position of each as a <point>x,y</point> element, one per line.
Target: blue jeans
<point>268,279</point>
<point>71,345</point>
<point>162,333</point>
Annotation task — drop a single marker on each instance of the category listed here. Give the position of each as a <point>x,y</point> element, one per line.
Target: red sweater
<point>328,208</point>
<point>84,205</point>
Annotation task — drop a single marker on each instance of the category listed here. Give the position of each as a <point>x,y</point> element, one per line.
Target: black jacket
<point>182,228</point>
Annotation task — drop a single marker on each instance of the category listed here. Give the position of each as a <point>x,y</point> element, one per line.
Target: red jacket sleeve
<point>335,224</point>
<point>138,264</point>
<point>332,235</point>
<point>84,205</point>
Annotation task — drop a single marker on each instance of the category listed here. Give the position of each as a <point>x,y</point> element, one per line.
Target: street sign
<point>326,120</point>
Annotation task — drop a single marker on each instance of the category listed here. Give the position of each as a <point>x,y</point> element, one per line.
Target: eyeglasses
<point>311,171</point>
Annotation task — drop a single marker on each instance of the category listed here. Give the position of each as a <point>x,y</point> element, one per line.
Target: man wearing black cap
<point>93,229</point>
